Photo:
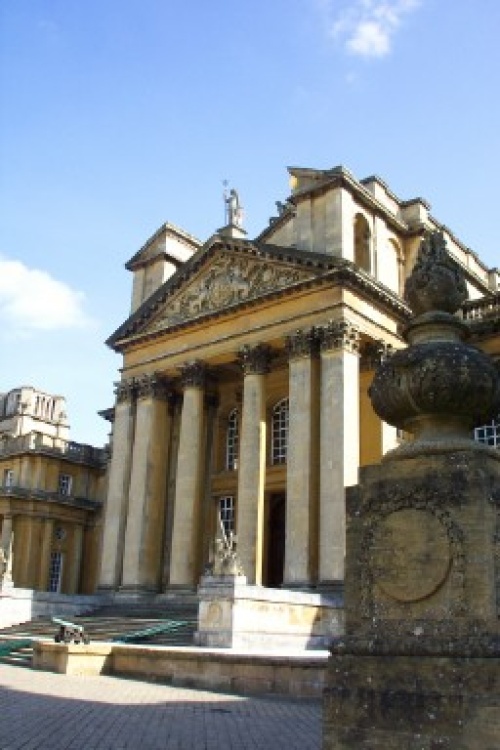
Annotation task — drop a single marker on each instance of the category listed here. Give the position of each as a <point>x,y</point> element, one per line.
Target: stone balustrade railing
<point>479,309</point>
<point>46,495</point>
<point>37,441</point>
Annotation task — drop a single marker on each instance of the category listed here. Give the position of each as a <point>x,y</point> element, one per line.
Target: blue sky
<point>119,115</point>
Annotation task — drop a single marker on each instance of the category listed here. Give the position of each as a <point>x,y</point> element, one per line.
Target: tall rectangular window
<point>65,483</point>
<point>8,478</point>
<point>279,439</point>
<point>227,513</point>
<point>55,573</point>
<point>232,441</point>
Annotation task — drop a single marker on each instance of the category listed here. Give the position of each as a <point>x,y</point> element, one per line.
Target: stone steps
<point>112,623</point>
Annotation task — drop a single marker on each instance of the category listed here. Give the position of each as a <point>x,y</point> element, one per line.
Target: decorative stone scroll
<point>125,390</point>
<point>339,334</point>
<point>255,360</point>
<point>302,343</point>
<point>194,374</point>
<point>152,386</point>
<point>227,281</point>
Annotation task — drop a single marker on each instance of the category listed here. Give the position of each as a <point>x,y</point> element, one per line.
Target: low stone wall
<point>233,614</point>
<point>299,674</point>
<point>22,605</point>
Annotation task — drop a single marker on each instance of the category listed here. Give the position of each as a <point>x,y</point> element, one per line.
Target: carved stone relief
<point>228,280</point>
<point>411,546</point>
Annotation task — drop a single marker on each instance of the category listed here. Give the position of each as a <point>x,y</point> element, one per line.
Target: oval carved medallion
<point>410,555</point>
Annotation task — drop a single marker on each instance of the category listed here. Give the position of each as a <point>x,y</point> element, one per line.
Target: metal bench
<point>69,631</point>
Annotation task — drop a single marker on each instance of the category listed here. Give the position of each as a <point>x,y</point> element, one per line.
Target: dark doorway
<point>276,539</point>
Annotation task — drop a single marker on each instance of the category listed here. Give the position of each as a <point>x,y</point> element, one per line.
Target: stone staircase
<point>171,623</point>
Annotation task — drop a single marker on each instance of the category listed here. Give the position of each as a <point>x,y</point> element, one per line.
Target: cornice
<point>339,272</point>
<point>189,268</point>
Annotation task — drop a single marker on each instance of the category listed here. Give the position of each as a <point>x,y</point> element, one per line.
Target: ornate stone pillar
<point>45,550</point>
<point>302,460</point>
<point>252,464</point>
<point>185,552</point>
<point>339,442</point>
<point>118,487</point>
<point>148,485</point>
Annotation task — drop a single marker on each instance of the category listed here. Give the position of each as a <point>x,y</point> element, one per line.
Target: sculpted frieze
<point>228,281</point>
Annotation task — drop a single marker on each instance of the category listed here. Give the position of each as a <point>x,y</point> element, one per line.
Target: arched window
<point>279,442</point>
<point>362,243</point>
<point>232,441</point>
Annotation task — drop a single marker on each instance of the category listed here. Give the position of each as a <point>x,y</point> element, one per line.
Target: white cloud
<point>31,299</point>
<point>366,27</point>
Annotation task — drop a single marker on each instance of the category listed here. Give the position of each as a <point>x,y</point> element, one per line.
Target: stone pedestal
<point>419,667</point>
<point>414,692</point>
<point>235,615</point>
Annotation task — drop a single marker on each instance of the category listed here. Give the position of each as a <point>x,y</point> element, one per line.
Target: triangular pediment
<point>227,280</point>
<point>218,279</point>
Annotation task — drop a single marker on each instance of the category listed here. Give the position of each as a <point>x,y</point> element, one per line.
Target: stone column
<point>252,464</point>
<point>185,553</point>
<point>339,442</point>
<point>118,487</point>
<point>45,550</point>
<point>148,484</point>
<point>302,461</point>
<point>24,550</point>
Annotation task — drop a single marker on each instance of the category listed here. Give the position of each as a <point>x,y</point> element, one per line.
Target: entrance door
<point>276,539</point>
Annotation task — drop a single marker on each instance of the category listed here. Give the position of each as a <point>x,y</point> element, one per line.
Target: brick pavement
<point>45,711</point>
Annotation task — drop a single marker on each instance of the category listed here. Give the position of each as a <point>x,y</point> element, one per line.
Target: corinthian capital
<point>193,374</point>
<point>339,334</point>
<point>125,390</point>
<point>255,359</point>
<point>152,386</point>
<point>302,343</point>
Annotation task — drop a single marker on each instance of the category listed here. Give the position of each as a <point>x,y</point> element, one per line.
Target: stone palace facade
<point>243,397</point>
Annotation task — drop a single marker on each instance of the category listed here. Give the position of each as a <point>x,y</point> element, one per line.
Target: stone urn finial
<point>438,388</point>
<point>436,282</point>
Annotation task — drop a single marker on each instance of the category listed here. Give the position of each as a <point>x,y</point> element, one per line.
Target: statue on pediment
<point>234,210</point>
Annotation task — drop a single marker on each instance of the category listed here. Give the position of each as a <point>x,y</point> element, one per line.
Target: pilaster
<point>251,473</point>
<point>148,485</point>
<point>185,559</point>
<point>302,460</point>
<point>339,441</point>
<point>118,488</point>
